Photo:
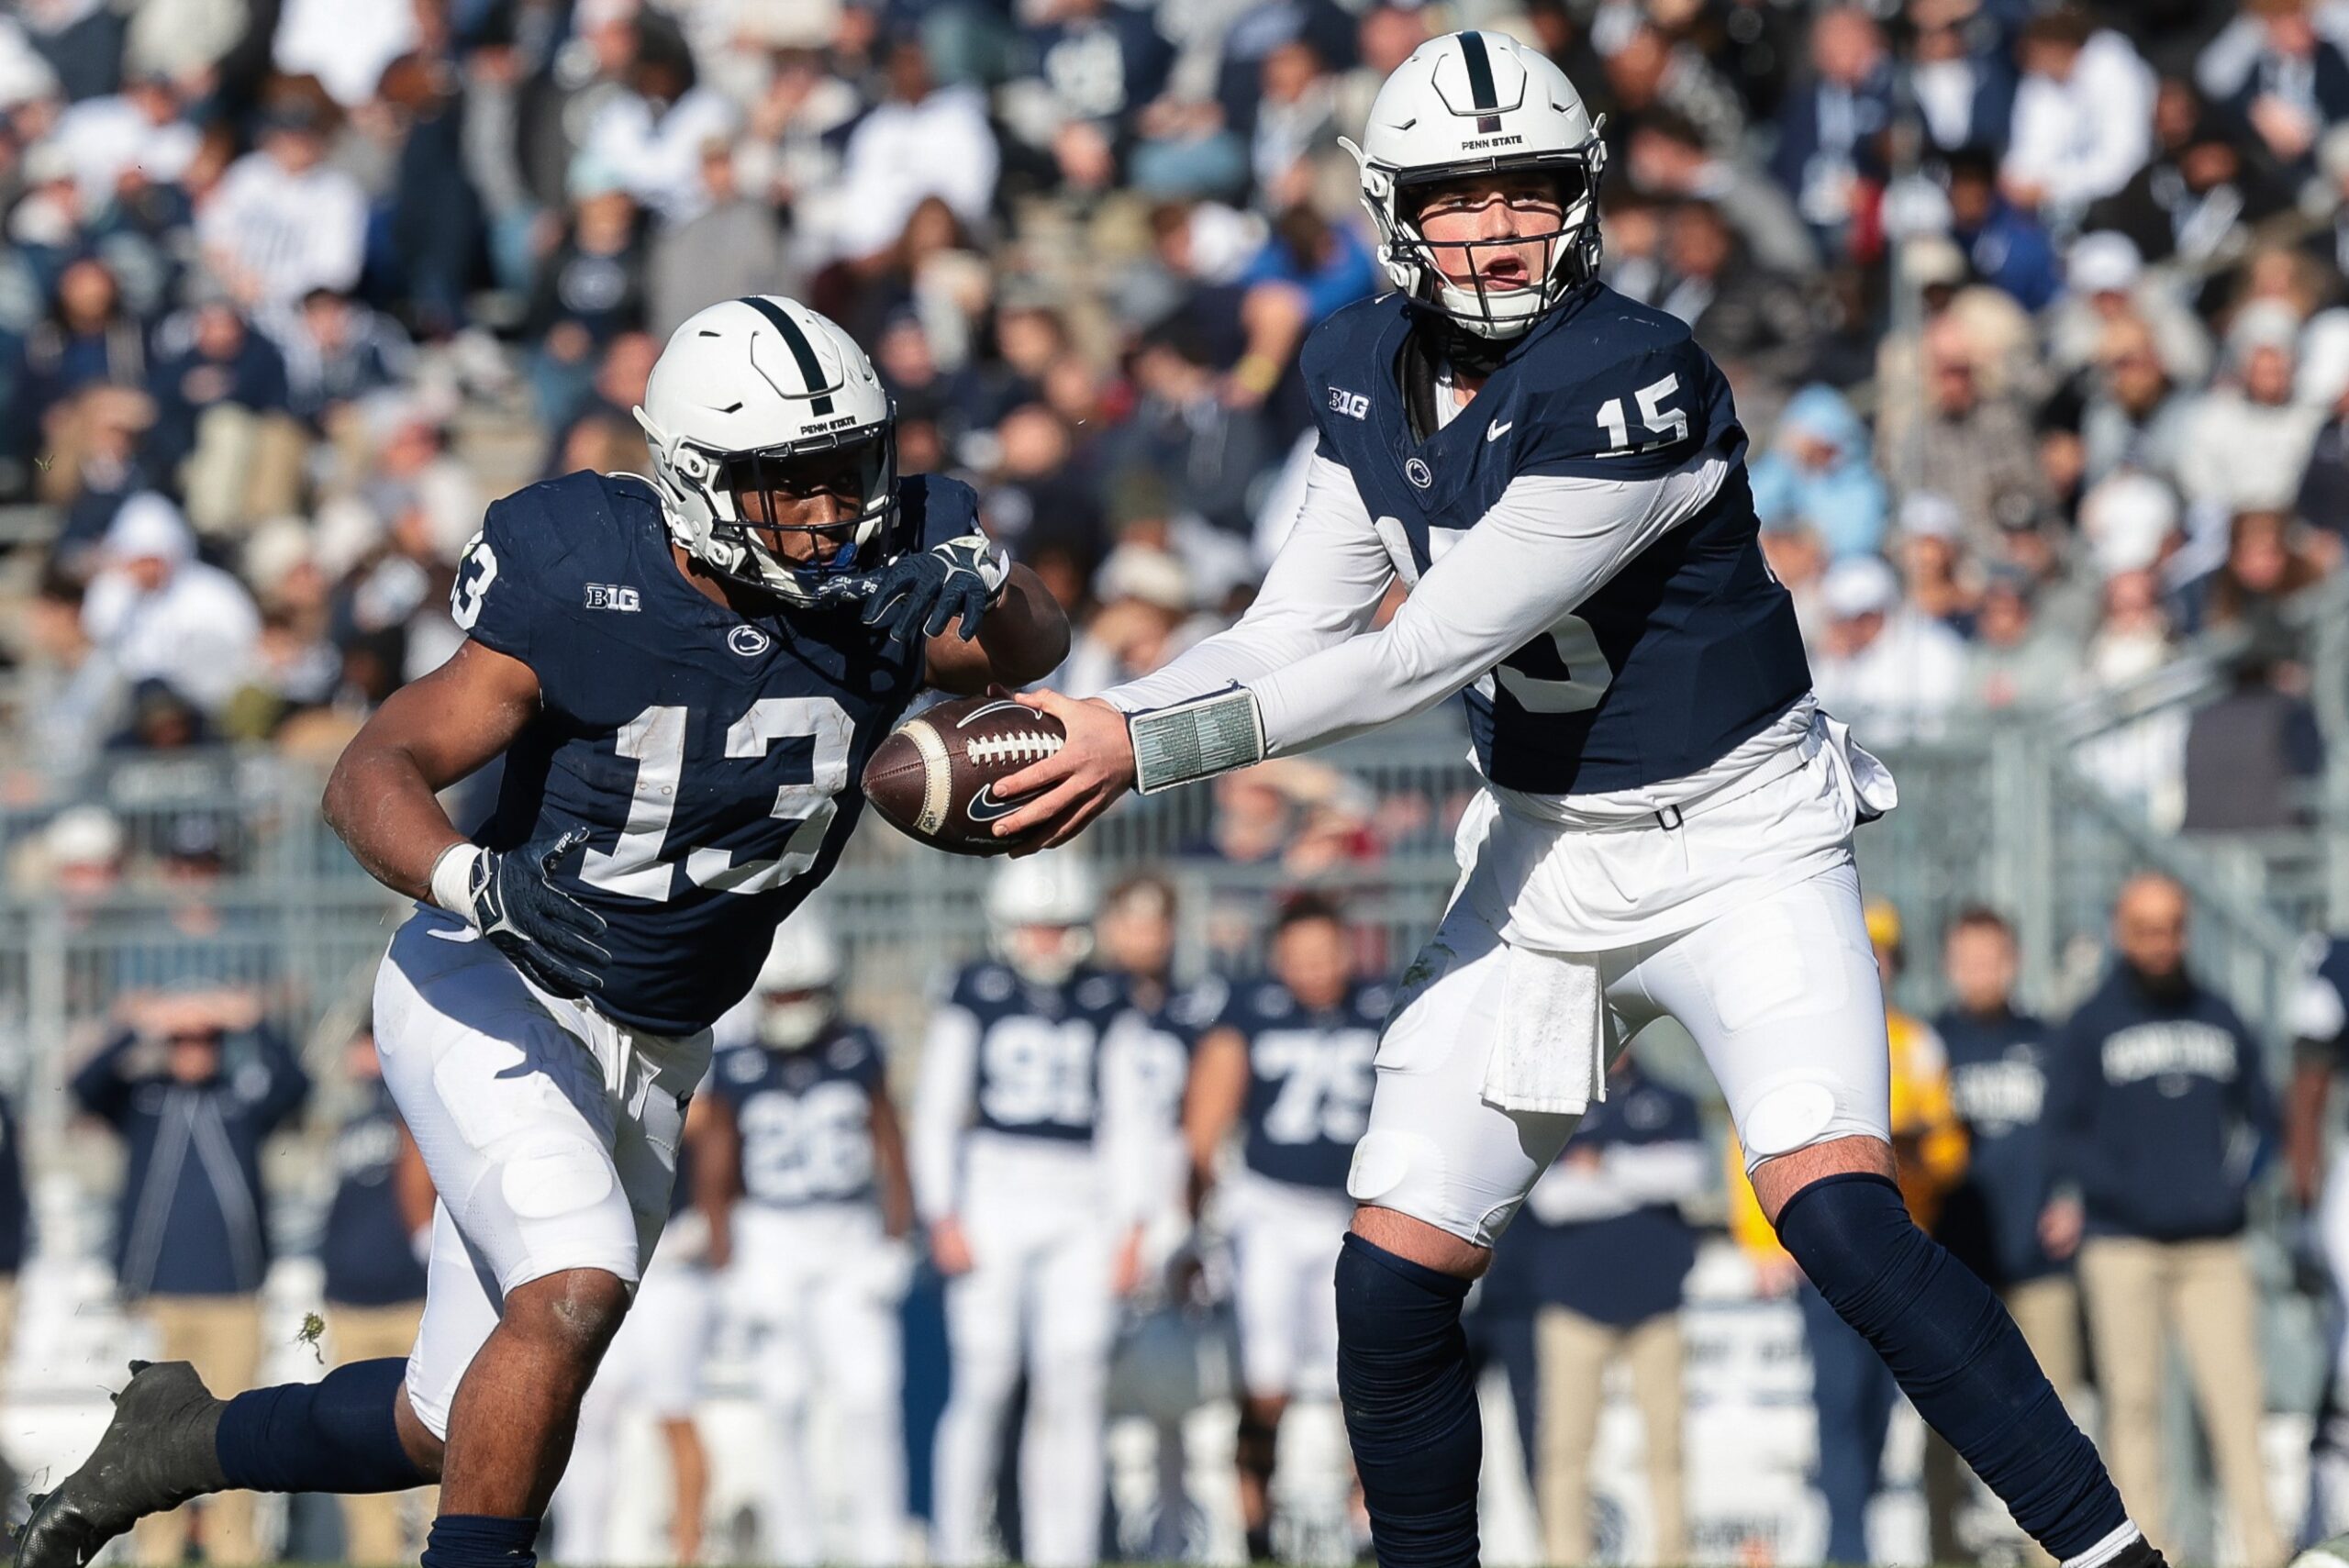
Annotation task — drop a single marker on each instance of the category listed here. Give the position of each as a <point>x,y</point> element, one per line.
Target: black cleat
<point>155,1454</point>
<point>2139,1554</point>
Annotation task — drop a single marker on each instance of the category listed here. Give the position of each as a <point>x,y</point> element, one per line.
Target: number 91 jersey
<point>710,759</point>
<point>1687,650</point>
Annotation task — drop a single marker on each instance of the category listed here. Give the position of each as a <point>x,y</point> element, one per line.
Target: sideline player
<point>820,1259</point>
<point>1290,1062</point>
<point>1557,473</point>
<point>684,675</point>
<point>1033,1175</point>
<point>1156,1370</point>
<point>655,1362</point>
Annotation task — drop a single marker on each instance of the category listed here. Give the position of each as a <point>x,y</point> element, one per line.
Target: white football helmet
<point>1478,102</point>
<point>758,394</point>
<point>1041,908</point>
<point>798,985</point>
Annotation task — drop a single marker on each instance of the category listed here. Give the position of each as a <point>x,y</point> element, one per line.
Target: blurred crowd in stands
<point>2037,316</point>
<point>2033,314</point>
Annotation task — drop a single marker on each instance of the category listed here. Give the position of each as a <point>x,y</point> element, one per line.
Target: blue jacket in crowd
<point>16,1210</point>
<point>1612,1245</point>
<point>1997,1077</point>
<point>2157,1104</point>
<point>367,1255</point>
<point>192,1220</point>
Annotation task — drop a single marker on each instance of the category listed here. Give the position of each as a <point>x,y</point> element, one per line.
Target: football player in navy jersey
<point>684,675</point>
<point>1033,1174</point>
<point>820,1260</point>
<point>1289,1063</point>
<point>1153,1036</point>
<point>1557,474</point>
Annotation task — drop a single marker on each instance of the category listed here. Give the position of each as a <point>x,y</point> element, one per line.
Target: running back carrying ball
<point>933,777</point>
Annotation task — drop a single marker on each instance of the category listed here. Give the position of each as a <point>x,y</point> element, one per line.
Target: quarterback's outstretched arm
<point>1323,587</point>
<point>429,734</point>
<point>1543,548</point>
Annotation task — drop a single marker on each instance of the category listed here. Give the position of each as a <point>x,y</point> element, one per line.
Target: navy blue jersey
<point>1997,1082</point>
<point>365,1251</point>
<point>1688,649</point>
<point>1309,1078</point>
<point>710,759</point>
<point>1039,1059</point>
<point>1162,1038</point>
<point>805,1117</point>
<point>16,1211</point>
<point>2320,1012</point>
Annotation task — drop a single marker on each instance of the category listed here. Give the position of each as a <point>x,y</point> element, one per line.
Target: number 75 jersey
<point>1691,647</point>
<point>710,759</point>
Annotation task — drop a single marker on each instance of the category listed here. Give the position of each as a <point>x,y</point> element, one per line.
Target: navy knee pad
<point>339,1434</point>
<point>1411,1406</point>
<point>1957,1354</point>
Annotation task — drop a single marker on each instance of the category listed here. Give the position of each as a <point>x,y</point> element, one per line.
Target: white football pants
<point>1038,1295</point>
<point>551,1133</point>
<point>820,1288</point>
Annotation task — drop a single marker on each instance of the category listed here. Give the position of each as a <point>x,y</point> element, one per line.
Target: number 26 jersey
<point>710,759</point>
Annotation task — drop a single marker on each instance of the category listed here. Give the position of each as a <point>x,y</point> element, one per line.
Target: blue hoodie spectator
<point>2007,247</point>
<point>193,1104</point>
<point>16,1209</point>
<point>2157,1102</point>
<point>1817,471</point>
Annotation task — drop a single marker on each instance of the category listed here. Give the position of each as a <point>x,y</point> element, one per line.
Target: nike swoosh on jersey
<point>1495,432</point>
<point>985,807</point>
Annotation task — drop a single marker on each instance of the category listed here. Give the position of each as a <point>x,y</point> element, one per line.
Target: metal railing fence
<point>1997,812</point>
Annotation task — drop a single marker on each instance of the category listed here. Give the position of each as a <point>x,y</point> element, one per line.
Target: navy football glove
<point>951,583</point>
<point>550,935</point>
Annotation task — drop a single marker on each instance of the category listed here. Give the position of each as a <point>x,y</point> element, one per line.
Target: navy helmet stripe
<point>1480,72</point>
<point>802,351</point>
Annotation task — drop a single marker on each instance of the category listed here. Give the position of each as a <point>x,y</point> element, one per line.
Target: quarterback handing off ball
<point>933,777</point>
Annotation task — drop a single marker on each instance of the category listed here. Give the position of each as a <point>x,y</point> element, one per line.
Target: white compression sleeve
<point>1545,546</point>
<point>1323,588</point>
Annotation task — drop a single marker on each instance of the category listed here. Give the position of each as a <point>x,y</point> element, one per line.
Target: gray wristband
<point>1196,740</point>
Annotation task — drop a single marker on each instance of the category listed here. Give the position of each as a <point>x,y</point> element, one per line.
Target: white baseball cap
<point>1859,586</point>
<point>1927,513</point>
<point>2103,263</point>
<point>83,835</point>
<point>2127,519</point>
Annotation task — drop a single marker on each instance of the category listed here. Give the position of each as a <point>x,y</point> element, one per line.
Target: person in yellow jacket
<point>1851,1386</point>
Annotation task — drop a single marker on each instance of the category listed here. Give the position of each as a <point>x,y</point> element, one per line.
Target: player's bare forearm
<point>890,1172</point>
<point>715,1140</point>
<point>382,798</point>
<point>2304,1109</point>
<point>1211,1102</point>
<point>1023,639</point>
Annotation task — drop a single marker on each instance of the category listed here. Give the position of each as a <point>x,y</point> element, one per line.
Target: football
<point>933,777</point>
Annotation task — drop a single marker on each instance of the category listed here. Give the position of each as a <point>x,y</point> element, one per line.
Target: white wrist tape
<point>452,880</point>
<point>1196,740</point>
